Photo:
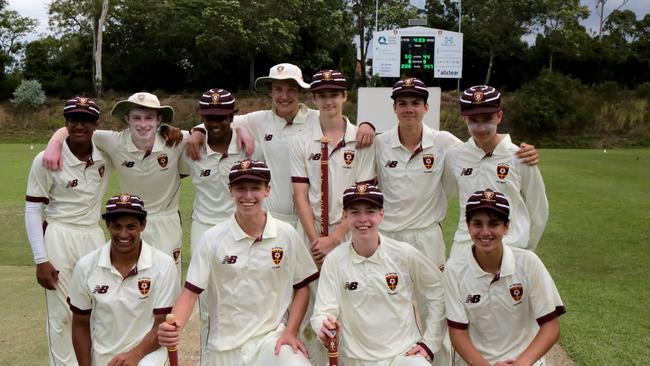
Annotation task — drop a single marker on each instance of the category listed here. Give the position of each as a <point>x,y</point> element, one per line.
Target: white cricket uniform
<point>474,170</point>
<point>373,299</point>
<point>347,166</point>
<point>73,199</point>
<point>503,313</point>
<point>251,281</point>
<point>273,135</point>
<point>122,309</point>
<point>212,204</point>
<point>154,176</point>
<point>412,182</point>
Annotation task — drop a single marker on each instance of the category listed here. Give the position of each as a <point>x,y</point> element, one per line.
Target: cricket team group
<point>307,232</point>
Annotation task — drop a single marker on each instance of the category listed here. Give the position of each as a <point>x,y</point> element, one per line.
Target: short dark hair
<point>114,217</point>
<point>494,215</point>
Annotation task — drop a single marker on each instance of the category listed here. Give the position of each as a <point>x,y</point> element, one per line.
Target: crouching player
<point>255,268</point>
<point>367,288</point>
<point>502,305</point>
<point>121,292</point>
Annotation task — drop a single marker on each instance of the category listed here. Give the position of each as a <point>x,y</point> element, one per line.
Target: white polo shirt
<point>502,313</point>
<point>153,176</point>
<point>73,194</point>
<point>212,201</point>
<point>250,281</point>
<point>347,166</point>
<point>373,299</point>
<point>412,181</point>
<point>501,171</point>
<point>273,135</point>
<point>122,309</point>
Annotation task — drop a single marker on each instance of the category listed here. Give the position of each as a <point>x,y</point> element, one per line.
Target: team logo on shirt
<point>268,137</point>
<point>176,253</point>
<point>348,156</point>
<point>101,171</point>
<point>391,280</point>
<point>427,159</point>
<point>229,259</point>
<point>502,171</point>
<point>516,292</point>
<point>100,289</point>
<point>72,183</point>
<point>163,160</point>
<point>144,285</point>
<point>276,255</point>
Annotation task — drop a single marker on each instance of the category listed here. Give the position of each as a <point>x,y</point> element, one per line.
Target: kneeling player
<point>128,287</point>
<point>502,305</point>
<point>367,288</point>
<point>256,268</point>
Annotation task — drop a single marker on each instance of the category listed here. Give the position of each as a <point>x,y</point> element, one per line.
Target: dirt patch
<point>557,356</point>
<point>190,349</point>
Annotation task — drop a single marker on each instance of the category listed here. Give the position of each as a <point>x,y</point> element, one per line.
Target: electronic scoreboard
<point>416,53</point>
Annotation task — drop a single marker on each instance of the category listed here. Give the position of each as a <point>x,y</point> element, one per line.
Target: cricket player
<point>274,129</point>
<point>212,202</point>
<point>367,288</point>
<point>147,167</point>
<point>502,305</point>
<point>256,269</point>
<point>121,292</point>
<point>487,160</point>
<point>70,230</point>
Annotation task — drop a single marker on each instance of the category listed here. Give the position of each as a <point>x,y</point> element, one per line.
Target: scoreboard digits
<point>416,53</point>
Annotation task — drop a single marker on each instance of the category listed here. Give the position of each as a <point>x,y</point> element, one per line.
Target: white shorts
<point>164,232</point>
<point>65,245</point>
<point>155,358</point>
<point>400,360</point>
<point>428,241</point>
<point>259,351</point>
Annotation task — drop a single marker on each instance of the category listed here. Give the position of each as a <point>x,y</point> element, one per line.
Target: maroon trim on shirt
<point>487,155</point>
<point>559,310</point>
<point>426,348</point>
<point>416,152</point>
<point>457,325</point>
<point>306,281</point>
<point>162,311</point>
<point>133,271</point>
<point>90,162</point>
<point>76,310</point>
<point>146,153</point>
<point>299,180</point>
<point>196,289</point>
<point>44,200</point>
<point>340,145</point>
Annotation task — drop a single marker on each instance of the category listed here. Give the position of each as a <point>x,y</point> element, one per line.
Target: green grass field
<point>594,247</point>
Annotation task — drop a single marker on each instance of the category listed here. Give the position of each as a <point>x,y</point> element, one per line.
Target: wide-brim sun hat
<point>142,100</point>
<point>284,71</point>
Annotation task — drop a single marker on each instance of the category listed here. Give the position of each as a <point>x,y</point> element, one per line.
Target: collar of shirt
<point>507,263</point>
<point>301,116</point>
<point>500,149</point>
<point>374,258</point>
<point>270,229</point>
<point>158,143</point>
<point>144,260</point>
<point>349,136</point>
<point>232,147</point>
<point>72,160</point>
<point>425,142</point>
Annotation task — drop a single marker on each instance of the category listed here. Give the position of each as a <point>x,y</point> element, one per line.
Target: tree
<point>560,23</point>
<point>602,18</point>
<point>13,28</point>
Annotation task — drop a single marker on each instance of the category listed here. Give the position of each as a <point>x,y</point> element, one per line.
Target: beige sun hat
<point>283,71</point>
<point>144,100</point>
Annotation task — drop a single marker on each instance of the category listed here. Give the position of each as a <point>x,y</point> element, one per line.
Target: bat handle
<point>333,351</point>
<point>172,352</point>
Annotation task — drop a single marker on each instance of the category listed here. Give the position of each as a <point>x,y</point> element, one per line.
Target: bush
<point>28,95</point>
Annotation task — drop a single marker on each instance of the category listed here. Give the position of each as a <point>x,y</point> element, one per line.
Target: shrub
<point>28,95</point>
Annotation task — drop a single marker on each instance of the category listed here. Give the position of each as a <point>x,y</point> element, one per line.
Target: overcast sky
<point>38,9</point>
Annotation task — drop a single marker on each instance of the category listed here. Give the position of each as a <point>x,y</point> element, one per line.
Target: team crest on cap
<point>144,285</point>
<point>245,165</point>
<point>140,96</point>
<point>101,171</point>
<point>83,101</point>
<point>502,171</point>
<point>427,159</point>
<point>408,83</point>
<point>327,75</point>
<point>214,98</point>
<point>176,253</point>
<point>478,97</point>
<point>280,68</point>
<point>488,196</point>
<point>516,292</point>
<point>362,188</point>
<point>125,199</point>
<point>391,280</point>
<point>348,156</point>
<point>276,255</point>
<point>163,160</point>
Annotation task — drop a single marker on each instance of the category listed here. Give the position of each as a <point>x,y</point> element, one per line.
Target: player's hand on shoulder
<point>528,154</point>
<point>172,135</point>
<point>193,144</point>
<point>51,159</point>
<point>245,140</point>
<point>168,334</point>
<point>365,135</point>
<point>46,275</point>
<point>292,341</point>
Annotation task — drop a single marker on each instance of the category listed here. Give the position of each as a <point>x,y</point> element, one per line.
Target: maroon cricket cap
<point>217,102</point>
<point>487,200</point>
<point>81,105</point>
<point>412,86</point>
<point>124,204</point>
<point>480,99</point>
<point>328,79</point>
<point>363,192</point>
<point>249,170</point>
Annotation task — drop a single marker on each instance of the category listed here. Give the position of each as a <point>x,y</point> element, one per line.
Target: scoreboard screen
<point>417,53</point>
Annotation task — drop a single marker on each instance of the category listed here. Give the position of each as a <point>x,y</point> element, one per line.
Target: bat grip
<point>333,351</point>
<point>172,352</point>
